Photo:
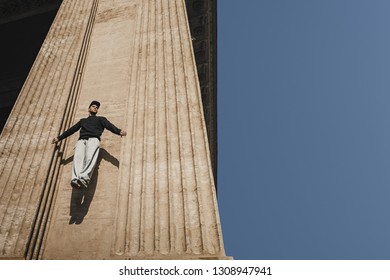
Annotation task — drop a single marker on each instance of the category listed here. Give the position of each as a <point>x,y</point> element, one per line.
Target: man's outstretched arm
<point>108,125</point>
<point>67,133</point>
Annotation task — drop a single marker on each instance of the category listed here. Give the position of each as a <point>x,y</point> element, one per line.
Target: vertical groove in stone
<point>168,82</point>
<point>163,236</point>
<point>144,203</point>
<point>24,143</point>
<point>162,217</point>
<point>149,139</point>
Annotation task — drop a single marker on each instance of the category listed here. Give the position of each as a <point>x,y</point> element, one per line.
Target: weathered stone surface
<point>153,194</point>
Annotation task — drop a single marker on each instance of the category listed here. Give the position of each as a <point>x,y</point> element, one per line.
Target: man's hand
<point>55,140</point>
<point>123,133</point>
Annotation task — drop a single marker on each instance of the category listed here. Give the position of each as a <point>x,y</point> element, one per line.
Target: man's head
<point>93,107</point>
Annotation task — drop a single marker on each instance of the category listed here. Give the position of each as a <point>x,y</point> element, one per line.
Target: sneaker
<point>74,184</point>
<point>82,183</point>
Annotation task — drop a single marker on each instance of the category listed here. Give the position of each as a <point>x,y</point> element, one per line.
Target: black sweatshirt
<point>91,127</point>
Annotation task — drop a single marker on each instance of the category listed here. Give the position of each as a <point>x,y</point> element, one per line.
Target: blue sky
<point>303,127</point>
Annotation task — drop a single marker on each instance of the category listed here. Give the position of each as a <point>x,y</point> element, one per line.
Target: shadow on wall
<point>81,199</point>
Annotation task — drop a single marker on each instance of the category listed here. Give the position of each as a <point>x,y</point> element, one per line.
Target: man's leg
<point>91,156</point>
<point>78,161</point>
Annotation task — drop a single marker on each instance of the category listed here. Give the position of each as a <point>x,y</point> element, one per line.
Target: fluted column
<point>28,164</point>
<point>167,205</point>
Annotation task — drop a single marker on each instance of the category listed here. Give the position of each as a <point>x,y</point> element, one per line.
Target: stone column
<point>153,194</point>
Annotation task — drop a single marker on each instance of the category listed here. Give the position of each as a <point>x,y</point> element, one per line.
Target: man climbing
<point>87,146</point>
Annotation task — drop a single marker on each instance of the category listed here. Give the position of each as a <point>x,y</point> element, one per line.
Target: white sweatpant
<point>85,157</point>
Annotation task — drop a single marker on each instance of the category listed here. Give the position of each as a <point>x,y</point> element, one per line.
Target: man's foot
<point>75,184</point>
<point>82,183</point>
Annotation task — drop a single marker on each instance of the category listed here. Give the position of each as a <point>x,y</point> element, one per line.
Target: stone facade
<point>153,193</point>
<point>32,18</point>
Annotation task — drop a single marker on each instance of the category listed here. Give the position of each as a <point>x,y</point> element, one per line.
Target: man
<point>87,147</point>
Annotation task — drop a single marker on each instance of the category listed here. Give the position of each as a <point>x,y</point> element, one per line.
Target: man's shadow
<point>81,199</point>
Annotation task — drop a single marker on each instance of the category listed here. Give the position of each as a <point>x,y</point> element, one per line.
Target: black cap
<point>97,103</point>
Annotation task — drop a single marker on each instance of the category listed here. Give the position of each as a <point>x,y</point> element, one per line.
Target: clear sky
<point>304,132</point>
